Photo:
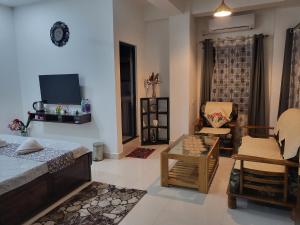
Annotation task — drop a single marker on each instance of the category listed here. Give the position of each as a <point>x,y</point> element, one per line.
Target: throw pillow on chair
<point>217,119</point>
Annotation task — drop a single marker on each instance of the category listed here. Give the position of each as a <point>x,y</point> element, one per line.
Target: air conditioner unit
<point>231,24</point>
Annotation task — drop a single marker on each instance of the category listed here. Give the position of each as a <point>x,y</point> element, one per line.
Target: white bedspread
<point>15,172</point>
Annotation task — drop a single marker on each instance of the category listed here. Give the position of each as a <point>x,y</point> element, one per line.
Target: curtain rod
<point>232,38</point>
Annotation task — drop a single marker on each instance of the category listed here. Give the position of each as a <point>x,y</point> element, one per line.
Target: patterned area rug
<point>97,204</point>
<point>141,153</point>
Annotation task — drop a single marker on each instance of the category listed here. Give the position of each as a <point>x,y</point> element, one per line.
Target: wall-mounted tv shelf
<point>81,118</point>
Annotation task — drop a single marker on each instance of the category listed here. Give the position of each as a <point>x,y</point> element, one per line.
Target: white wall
<point>89,52</point>
<point>157,53</point>
<point>273,22</point>
<point>129,27</point>
<point>182,75</point>
<point>193,86</point>
<point>10,95</point>
<point>152,13</point>
<point>283,19</point>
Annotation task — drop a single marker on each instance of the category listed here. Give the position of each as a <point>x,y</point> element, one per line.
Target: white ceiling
<point>14,3</point>
<point>198,6</point>
<point>206,7</point>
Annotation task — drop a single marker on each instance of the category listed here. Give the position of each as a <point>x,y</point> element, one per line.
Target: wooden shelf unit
<point>155,109</point>
<point>81,118</point>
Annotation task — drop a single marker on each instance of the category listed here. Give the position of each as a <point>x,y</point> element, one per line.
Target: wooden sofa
<point>261,174</point>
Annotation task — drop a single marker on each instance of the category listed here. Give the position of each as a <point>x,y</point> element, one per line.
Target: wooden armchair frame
<point>264,184</point>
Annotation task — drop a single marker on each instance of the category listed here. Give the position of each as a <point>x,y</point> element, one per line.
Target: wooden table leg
<point>231,202</point>
<point>203,175</point>
<point>164,169</point>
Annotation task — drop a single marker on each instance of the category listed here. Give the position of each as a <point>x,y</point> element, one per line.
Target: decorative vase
<point>153,90</point>
<point>24,133</point>
<point>153,137</point>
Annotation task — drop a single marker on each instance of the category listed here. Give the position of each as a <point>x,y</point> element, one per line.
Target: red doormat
<point>141,153</point>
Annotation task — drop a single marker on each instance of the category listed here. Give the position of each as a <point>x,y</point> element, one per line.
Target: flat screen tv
<point>60,89</point>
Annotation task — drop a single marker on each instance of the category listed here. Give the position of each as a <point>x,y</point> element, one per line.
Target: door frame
<point>133,88</point>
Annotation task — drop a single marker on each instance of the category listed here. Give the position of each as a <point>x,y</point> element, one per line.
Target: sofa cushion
<point>260,147</point>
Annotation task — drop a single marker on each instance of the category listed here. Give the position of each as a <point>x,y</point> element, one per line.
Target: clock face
<point>59,34</point>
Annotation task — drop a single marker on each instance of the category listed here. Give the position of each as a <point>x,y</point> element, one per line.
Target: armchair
<point>227,132</point>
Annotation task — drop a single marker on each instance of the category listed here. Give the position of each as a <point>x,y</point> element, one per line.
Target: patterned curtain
<point>231,78</point>
<point>294,95</point>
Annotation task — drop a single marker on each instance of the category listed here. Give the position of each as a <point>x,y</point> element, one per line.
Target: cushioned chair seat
<point>215,131</point>
<point>260,147</point>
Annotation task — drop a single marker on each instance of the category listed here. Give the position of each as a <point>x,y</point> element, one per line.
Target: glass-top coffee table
<point>197,160</point>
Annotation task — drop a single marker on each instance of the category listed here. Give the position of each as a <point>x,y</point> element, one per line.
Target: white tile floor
<point>177,206</point>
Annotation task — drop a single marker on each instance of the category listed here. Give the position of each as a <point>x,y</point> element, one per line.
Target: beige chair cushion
<point>260,147</point>
<point>215,131</point>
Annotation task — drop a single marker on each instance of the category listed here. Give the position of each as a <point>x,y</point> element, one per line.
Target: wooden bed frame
<point>23,203</point>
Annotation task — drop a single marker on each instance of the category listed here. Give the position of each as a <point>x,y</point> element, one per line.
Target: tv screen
<point>60,89</point>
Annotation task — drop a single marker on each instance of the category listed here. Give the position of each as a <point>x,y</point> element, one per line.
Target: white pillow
<point>2,143</point>
<point>29,146</point>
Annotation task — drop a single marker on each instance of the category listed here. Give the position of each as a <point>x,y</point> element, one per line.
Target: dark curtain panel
<point>286,73</point>
<point>258,89</point>
<point>208,69</point>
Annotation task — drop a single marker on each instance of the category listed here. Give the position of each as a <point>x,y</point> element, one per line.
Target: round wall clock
<point>59,34</point>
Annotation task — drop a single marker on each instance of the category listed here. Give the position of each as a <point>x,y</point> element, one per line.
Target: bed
<point>31,183</point>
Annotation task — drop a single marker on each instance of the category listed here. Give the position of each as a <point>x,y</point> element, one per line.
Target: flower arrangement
<point>18,126</point>
<point>152,81</point>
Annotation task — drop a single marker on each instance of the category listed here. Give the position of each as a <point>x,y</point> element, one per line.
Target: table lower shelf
<point>186,174</point>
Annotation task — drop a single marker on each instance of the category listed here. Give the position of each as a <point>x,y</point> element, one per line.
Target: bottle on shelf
<point>85,106</point>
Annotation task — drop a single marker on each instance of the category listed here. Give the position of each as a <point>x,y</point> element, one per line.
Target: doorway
<point>128,91</point>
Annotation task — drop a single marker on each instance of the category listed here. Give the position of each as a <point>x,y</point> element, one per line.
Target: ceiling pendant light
<point>223,10</point>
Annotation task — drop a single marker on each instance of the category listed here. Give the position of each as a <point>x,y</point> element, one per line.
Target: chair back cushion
<point>288,130</point>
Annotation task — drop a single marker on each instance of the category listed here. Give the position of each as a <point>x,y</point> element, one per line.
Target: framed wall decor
<point>60,34</point>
